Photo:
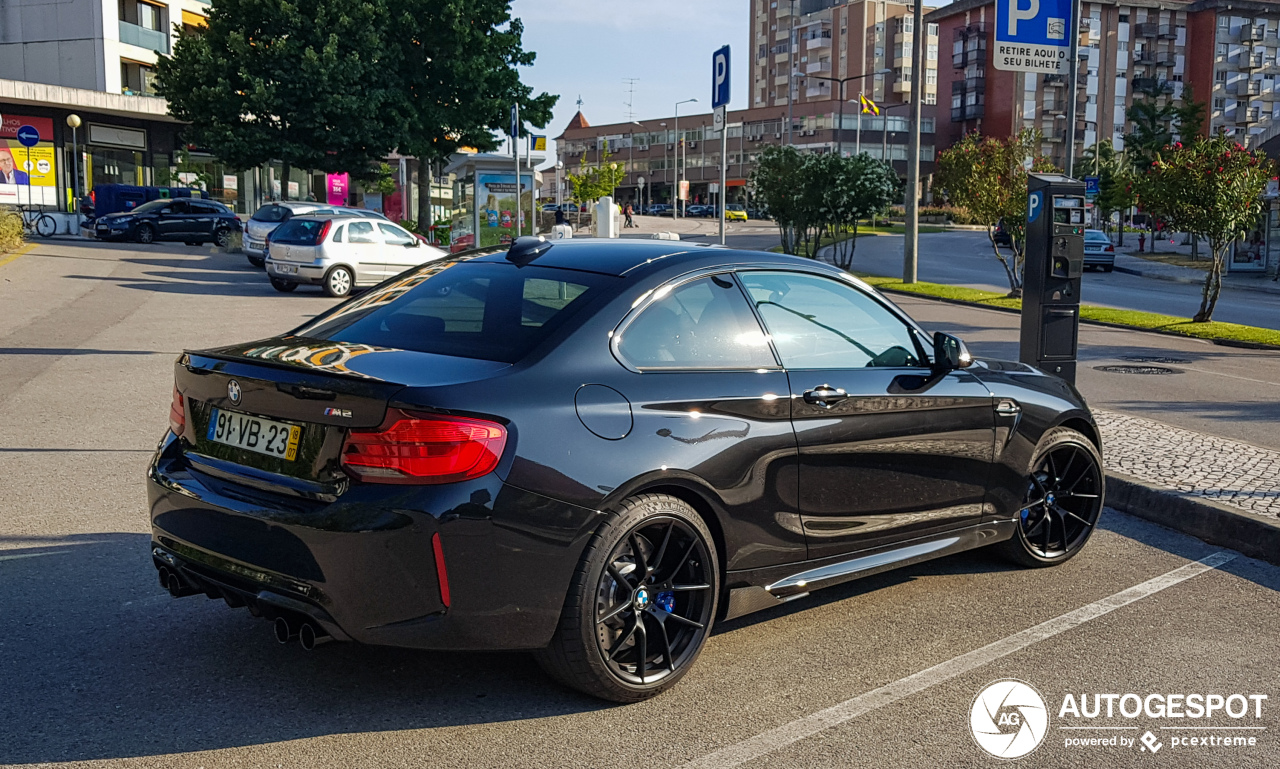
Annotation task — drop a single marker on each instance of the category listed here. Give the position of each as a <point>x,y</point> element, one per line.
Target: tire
<point>283,286</point>
<point>146,234</point>
<point>596,647</point>
<point>1108,267</point>
<point>1049,530</point>
<point>189,243</point>
<point>46,226</point>
<point>257,261</point>
<point>339,282</point>
<point>222,238</point>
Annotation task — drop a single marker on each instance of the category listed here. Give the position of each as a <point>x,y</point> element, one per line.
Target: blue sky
<point>587,47</point>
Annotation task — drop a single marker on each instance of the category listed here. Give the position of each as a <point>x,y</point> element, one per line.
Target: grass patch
<point>1148,321</point>
<point>1177,260</point>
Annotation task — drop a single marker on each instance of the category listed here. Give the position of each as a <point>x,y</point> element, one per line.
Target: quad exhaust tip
<point>284,631</point>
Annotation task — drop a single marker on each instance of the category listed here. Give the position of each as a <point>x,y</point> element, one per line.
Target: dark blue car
<point>189,220</point>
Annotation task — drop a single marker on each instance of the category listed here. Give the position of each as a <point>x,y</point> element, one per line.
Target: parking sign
<point>720,77</point>
<point>1033,35</point>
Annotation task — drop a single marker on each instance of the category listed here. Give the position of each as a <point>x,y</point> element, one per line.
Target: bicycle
<point>36,220</point>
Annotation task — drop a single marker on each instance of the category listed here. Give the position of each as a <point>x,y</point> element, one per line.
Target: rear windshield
<point>299,232</point>
<point>272,214</point>
<point>480,310</point>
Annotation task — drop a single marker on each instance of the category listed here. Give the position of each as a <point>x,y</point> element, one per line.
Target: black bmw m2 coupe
<point>596,450</point>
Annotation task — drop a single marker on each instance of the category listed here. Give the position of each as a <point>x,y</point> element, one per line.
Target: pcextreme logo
<point>1009,719</point>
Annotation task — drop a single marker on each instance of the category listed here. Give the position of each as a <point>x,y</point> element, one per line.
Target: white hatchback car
<point>342,253</point>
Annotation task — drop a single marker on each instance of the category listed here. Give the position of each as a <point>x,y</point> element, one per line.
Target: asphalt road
<point>965,259</point>
<point>101,668</point>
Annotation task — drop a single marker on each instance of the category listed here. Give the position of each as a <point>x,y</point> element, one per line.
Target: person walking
<point>628,212</point>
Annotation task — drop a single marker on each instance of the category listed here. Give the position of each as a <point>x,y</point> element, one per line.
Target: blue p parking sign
<point>1033,35</point>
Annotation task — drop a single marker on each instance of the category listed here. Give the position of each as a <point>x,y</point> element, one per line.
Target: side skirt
<point>776,585</point>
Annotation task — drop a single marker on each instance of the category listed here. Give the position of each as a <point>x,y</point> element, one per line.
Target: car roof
<point>1098,233</point>
<point>617,257</point>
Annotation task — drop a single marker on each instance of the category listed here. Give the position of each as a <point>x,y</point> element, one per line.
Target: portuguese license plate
<point>264,436</point>
<point>286,269</point>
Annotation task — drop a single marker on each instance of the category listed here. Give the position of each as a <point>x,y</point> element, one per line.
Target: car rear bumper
<point>306,273</point>
<point>362,565</point>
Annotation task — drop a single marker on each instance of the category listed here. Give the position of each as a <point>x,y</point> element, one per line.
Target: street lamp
<point>884,131</point>
<point>675,214</point>
<point>73,121</point>
<point>631,148</point>
<point>842,81</point>
<point>559,184</point>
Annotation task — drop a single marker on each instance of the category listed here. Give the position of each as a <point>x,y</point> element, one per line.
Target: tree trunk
<point>284,181</point>
<point>1014,290</point>
<point>1212,285</point>
<point>425,220</point>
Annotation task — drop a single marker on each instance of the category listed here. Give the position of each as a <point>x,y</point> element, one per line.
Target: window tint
<point>177,207</point>
<point>704,323</point>
<point>151,207</point>
<point>298,232</point>
<point>204,207</point>
<point>361,232</point>
<point>271,214</point>
<point>467,309</point>
<point>339,235</point>
<point>821,323</point>
<point>395,236</point>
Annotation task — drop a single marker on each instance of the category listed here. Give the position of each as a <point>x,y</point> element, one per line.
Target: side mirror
<point>949,353</point>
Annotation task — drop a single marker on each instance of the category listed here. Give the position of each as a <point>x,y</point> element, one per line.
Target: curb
<point>1154,275</point>
<point>1253,535</point>
<point>1174,334</point>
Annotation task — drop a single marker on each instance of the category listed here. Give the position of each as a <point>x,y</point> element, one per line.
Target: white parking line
<point>29,555</point>
<point>802,728</point>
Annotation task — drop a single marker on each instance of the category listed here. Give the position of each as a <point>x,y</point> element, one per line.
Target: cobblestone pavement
<point>1220,469</point>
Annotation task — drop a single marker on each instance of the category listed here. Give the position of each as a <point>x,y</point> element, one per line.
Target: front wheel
<point>146,234</point>
<point>222,238</point>
<point>283,286</point>
<point>641,603</point>
<point>1062,503</point>
<point>338,282</point>
<point>46,226</point>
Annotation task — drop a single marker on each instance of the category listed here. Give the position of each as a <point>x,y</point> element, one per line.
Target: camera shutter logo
<point>1009,719</point>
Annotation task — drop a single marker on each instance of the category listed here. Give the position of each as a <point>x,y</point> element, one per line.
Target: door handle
<point>824,395</point>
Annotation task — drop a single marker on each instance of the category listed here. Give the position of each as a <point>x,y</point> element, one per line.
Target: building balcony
<point>1246,88</point>
<point>1166,59</point>
<point>902,85</point>
<point>1055,80</point>
<point>1250,61</point>
<point>142,37</point>
<point>818,68</point>
<point>1145,57</point>
<point>968,112</point>
<point>1146,30</point>
<point>1248,115</point>
<point>1055,108</point>
<point>818,43</point>
<point>1057,136</point>
<point>784,8</point>
<point>1252,32</point>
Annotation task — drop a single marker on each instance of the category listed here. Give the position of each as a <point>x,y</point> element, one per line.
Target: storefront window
<point>112,166</point>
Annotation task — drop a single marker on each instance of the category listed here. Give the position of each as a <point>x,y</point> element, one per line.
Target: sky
<point>586,48</point>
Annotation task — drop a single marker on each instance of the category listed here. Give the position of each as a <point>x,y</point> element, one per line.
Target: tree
<point>456,67</point>
<point>844,191</point>
<point>301,82</point>
<point>1156,119</point>
<point>777,184</point>
<point>988,177</point>
<point>1210,187</point>
<point>596,180</point>
<point>1115,180</point>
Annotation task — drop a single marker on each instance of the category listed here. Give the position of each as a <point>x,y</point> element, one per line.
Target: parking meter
<point>1051,277</point>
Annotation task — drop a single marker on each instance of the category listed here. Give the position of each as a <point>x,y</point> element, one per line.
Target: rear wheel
<point>283,286</point>
<point>257,261</point>
<point>222,238</point>
<point>641,604</point>
<point>1062,502</point>
<point>338,282</point>
<point>1108,267</point>
<point>146,233</point>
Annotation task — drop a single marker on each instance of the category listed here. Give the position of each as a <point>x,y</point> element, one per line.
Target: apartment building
<point>1223,54</point>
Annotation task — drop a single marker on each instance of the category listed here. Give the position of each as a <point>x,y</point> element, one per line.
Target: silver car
<point>1098,251</point>
<point>272,215</point>
<point>342,253</point>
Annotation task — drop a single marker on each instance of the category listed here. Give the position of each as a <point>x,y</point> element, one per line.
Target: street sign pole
<point>515,153</point>
<point>28,137</point>
<point>1073,29</point>
<point>910,265</point>
<point>720,103</point>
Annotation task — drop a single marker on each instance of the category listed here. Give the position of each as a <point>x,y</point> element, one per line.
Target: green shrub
<point>410,224</point>
<point>10,231</point>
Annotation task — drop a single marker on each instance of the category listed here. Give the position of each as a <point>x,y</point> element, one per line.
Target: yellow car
<point>734,212</point>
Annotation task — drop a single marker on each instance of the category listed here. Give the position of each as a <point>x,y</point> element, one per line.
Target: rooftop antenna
<point>631,96</point>
<point>579,102</point>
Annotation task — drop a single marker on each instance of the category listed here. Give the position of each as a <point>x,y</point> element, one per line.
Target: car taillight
<point>324,230</point>
<point>1111,249</point>
<point>429,450</point>
<point>177,413</point>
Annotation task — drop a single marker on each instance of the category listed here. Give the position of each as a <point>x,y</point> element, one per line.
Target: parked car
<point>659,209</point>
<point>1001,235</point>
<point>342,252</point>
<point>1098,251</point>
<point>272,215</point>
<point>735,212</point>
<point>189,220</point>
<point>699,210</point>
<point>550,207</point>
<point>403,469</point>
<point>757,212</point>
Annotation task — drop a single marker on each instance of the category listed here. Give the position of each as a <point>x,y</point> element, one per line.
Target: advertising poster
<point>336,189</point>
<point>502,213</point>
<point>26,177</point>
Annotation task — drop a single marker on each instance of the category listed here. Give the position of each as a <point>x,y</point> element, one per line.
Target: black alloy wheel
<point>641,605</point>
<point>1064,498</point>
<point>222,238</point>
<point>146,233</point>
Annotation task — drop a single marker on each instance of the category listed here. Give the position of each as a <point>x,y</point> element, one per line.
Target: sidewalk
<point>1136,265</point>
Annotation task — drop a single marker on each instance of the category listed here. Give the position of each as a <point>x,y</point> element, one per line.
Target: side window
<point>339,235</point>
<point>361,232</point>
<point>704,324</point>
<point>175,208</point>
<point>821,323</point>
<point>396,236</point>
